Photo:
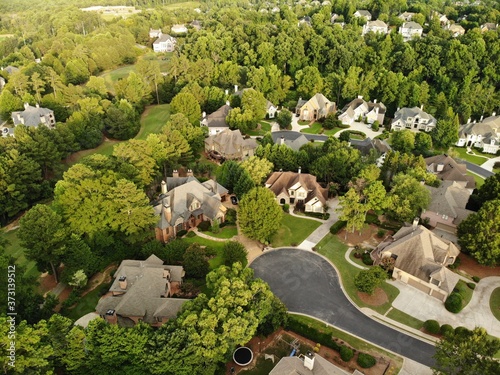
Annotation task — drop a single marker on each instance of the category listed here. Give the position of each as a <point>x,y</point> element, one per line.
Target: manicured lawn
<point>111,77</point>
<point>226,232</point>
<point>15,250</point>
<point>302,122</point>
<point>402,317</point>
<point>479,180</point>
<point>355,342</point>
<point>85,305</point>
<point>265,127</point>
<point>462,152</point>
<point>293,231</point>
<point>315,128</point>
<point>465,292</point>
<point>332,248</point>
<point>105,148</point>
<point>217,245</point>
<point>184,5</point>
<point>332,131</point>
<point>495,303</point>
<point>153,119</point>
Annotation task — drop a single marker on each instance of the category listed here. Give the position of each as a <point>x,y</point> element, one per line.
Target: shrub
<point>366,360</point>
<point>456,264</point>
<point>367,259</point>
<point>336,227</point>
<point>204,226</point>
<point>181,233</point>
<point>346,353</point>
<point>453,303</point>
<point>371,218</point>
<point>376,126</point>
<point>462,331</point>
<point>286,207</point>
<point>381,233</point>
<point>471,286</point>
<point>446,329</point>
<point>230,216</point>
<point>432,326</point>
<point>302,329</point>
<point>476,278</point>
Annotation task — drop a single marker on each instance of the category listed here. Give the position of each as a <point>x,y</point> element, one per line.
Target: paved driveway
<point>308,284</point>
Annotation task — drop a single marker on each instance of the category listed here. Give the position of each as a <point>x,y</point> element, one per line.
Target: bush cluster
<point>471,286</point>
<point>346,353</point>
<point>312,334</point>
<point>366,258</point>
<point>366,360</point>
<point>336,227</point>
<point>454,303</point>
<point>446,329</point>
<point>432,326</point>
<point>476,278</point>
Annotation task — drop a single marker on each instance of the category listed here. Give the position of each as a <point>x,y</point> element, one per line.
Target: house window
<point>292,193</point>
<point>282,201</point>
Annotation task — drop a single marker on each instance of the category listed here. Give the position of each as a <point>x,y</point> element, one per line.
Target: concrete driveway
<point>307,283</point>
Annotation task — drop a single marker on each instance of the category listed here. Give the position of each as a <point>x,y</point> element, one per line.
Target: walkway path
<point>323,229</point>
<point>488,165</point>
<point>206,236</point>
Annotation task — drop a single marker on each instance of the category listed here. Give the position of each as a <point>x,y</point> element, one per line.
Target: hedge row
<point>336,227</point>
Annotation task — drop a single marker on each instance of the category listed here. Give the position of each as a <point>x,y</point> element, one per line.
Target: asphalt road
<point>308,284</point>
<point>477,169</point>
<point>289,134</point>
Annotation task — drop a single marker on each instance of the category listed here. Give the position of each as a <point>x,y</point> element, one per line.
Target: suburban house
<point>334,17</point>
<point>307,364</point>
<point>366,145</point>
<point>363,13</point>
<point>413,119</point>
<point>447,207</point>
<point>195,24</point>
<point>410,30</point>
<point>294,140</point>
<point>484,134</point>
<point>455,29</point>
<point>316,108</point>
<point>489,26</point>
<point>443,20</point>
<point>179,29</point>
<point>10,69</point>
<point>154,33</point>
<point>360,109</point>
<point>447,169</point>
<point>164,43</point>
<point>230,144</point>
<point>420,260</point>
<point>34,116</point>
<point>185,202</point>
<point>141,291</point>
<point>406,16</point>
<point>216,121</point>
<point>376,26</point>
<point>298,189</point>
<point>306,20</point>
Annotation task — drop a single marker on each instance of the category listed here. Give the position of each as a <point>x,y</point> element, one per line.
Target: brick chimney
<point>175,173</point>
<point>110,316</point>
<point>163,187</point>
<point>189,173</point>
<point>123,282</point>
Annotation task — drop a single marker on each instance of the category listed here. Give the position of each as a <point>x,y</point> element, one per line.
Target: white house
<point>363,13</point>
<point>484,134</point>
<point>154,33</point>
<point>413,119</point>
<point>376,26</point>
<point>216,122</point>
<point>179,29</point>
<point>34,116</point>
<point>406,16</point>
<point>360,108</point>
<point>455,29</point>
<point>410,30</point>
<point>165,43</point>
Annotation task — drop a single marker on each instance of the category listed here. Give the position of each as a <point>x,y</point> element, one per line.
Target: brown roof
<point>450,199</point>
<point>451,170</point>
<point>231,143</point>
<point>280,182</point>
<point>217,119</point>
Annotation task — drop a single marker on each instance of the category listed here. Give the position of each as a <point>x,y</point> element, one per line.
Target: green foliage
<point>259,214</point>
<point>432,326</point>
<point>284,118</point>
<point>446,329</point>
<point>195,262</point>
<point>375,126</point>
<point>286,207</point>
<point>346,353</point>
<point>367,281</point>
<point>366,360</point>
<point>337,226</point>
<point>312,334</point>
<point>234,252</point>
<point>403,141</point>
<point>186,104</point>
<point>367,259</point>
<point>471,286</point>
<point>407,198</point>
<point>476,278</point>
<point>454,303</point>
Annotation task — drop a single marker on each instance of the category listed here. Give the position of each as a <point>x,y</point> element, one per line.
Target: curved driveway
<point>308,284</point>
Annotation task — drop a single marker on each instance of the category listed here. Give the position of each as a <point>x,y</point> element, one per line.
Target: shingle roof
<point>318,102</point>
<point>412,25</point>
<point>217,119</point>
<point>295,366</point>
<point>32,116</point>
<point>280,182</point>
<point>406,112</point>
<point>489,127</point>
<point>231,143</point>
<point>164,38</point>
<point>451,170</point>
<point>450,199</point>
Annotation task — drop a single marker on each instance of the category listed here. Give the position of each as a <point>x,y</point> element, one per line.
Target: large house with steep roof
<point>230,144</point>
<point>420,260</point>
<point>316,108</point>
<point>410,30</point>
<point>377,26</point>
<point>484,134</point>
<point>294,140</point>
<point>164,43</point>
<point>298,189</point>
<point>216,121</point>
<point>363,13</point>
<point>141,291</point>
<point>185,202</point>
<point>308,364</point>
<point>360,109</point>
<point>413,119</point>
<point>447,169</point>
<point>34,116</point>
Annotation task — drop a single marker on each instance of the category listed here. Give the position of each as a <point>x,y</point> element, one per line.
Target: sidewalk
<point>488,165</point>
<point>323,229</point>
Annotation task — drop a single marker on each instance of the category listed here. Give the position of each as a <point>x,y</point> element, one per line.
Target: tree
<point>479,234</point>
<point>374,197</point>
<point>195,262</point>
<point>134,90</point>
<point>254,101</point>
<point>445,134</point>
<point>345,136</point>
<point>42,233</point>
<point>194,134</point>
<point>407,198</point>
<point>284,118</point>
<point>403,141</point>
<point>244,184</point>
<point>423,144</point>
<point>186,104</point>
<point>467,352</point>
<point>121,120</point>
<point>242,120</point>
<point>139,155</point>
<point>488,191</point>
<point>257,168</point>
<point>367,281</point>
<point>233,252</point>
<point>309,81</point>
<point>79,279</point>
<point>9,103</point>
<point>259,214</point>
<point>97,85</point>
<point>351,210</point>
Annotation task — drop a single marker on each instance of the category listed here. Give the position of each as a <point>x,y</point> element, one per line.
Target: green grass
<point>495,303</point>
<point>479,180</point>
<point>293,231</point>
<point>112,76</point>
<point>332,131</point>
<point>85,305</point>
<point>465,292</point>
<point>226,232</point>
<point>16,251</point>
<point>355,342</point>
<point>153,119</point>
<point>404,318</point>
<point>105,148</point>
<point>5,36</point>
<point>183,5</point>
<point>265,127</point>
<point>332,248</point>
<point>303,122</point>
<point>462,152</point>
<point>315,128</point>
<point>217,245</point>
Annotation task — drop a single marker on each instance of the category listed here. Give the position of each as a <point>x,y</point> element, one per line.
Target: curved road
<point>308,284</point>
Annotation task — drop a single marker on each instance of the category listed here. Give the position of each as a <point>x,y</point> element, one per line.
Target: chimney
<point>439,167</point>
<point>38,106</point>
<point>227,92</point>
<point>300,169</point>
<point>189,173</point>
<point>204,114</point>
<point>235,88</point>
<point>110,316</point>
<point>26,105</point>
<point>468,120</point>
<point>374,101</point>
<point>421,107</point>
<point>163,187</point>
<point>494,114</point>
<point>123,282</point>
<point>481,119</point>
<point>360,96</point>
<point>309,361</point>
<point>282,140</point>
<point>300,98</point>
<point>175,173</point>
<point>228,103</point>
<point>415,222</point>
<point>422,182</point>
<point>168,213</point>
<point>376,110</point>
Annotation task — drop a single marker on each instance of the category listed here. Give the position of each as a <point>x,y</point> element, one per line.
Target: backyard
<point>217,260</point>
<point>293,231</point>
<point>14,250</point>
<point>262,128</point>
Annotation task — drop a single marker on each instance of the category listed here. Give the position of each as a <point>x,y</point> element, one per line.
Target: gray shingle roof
<point>450,199</point>
<point>33,116</point>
